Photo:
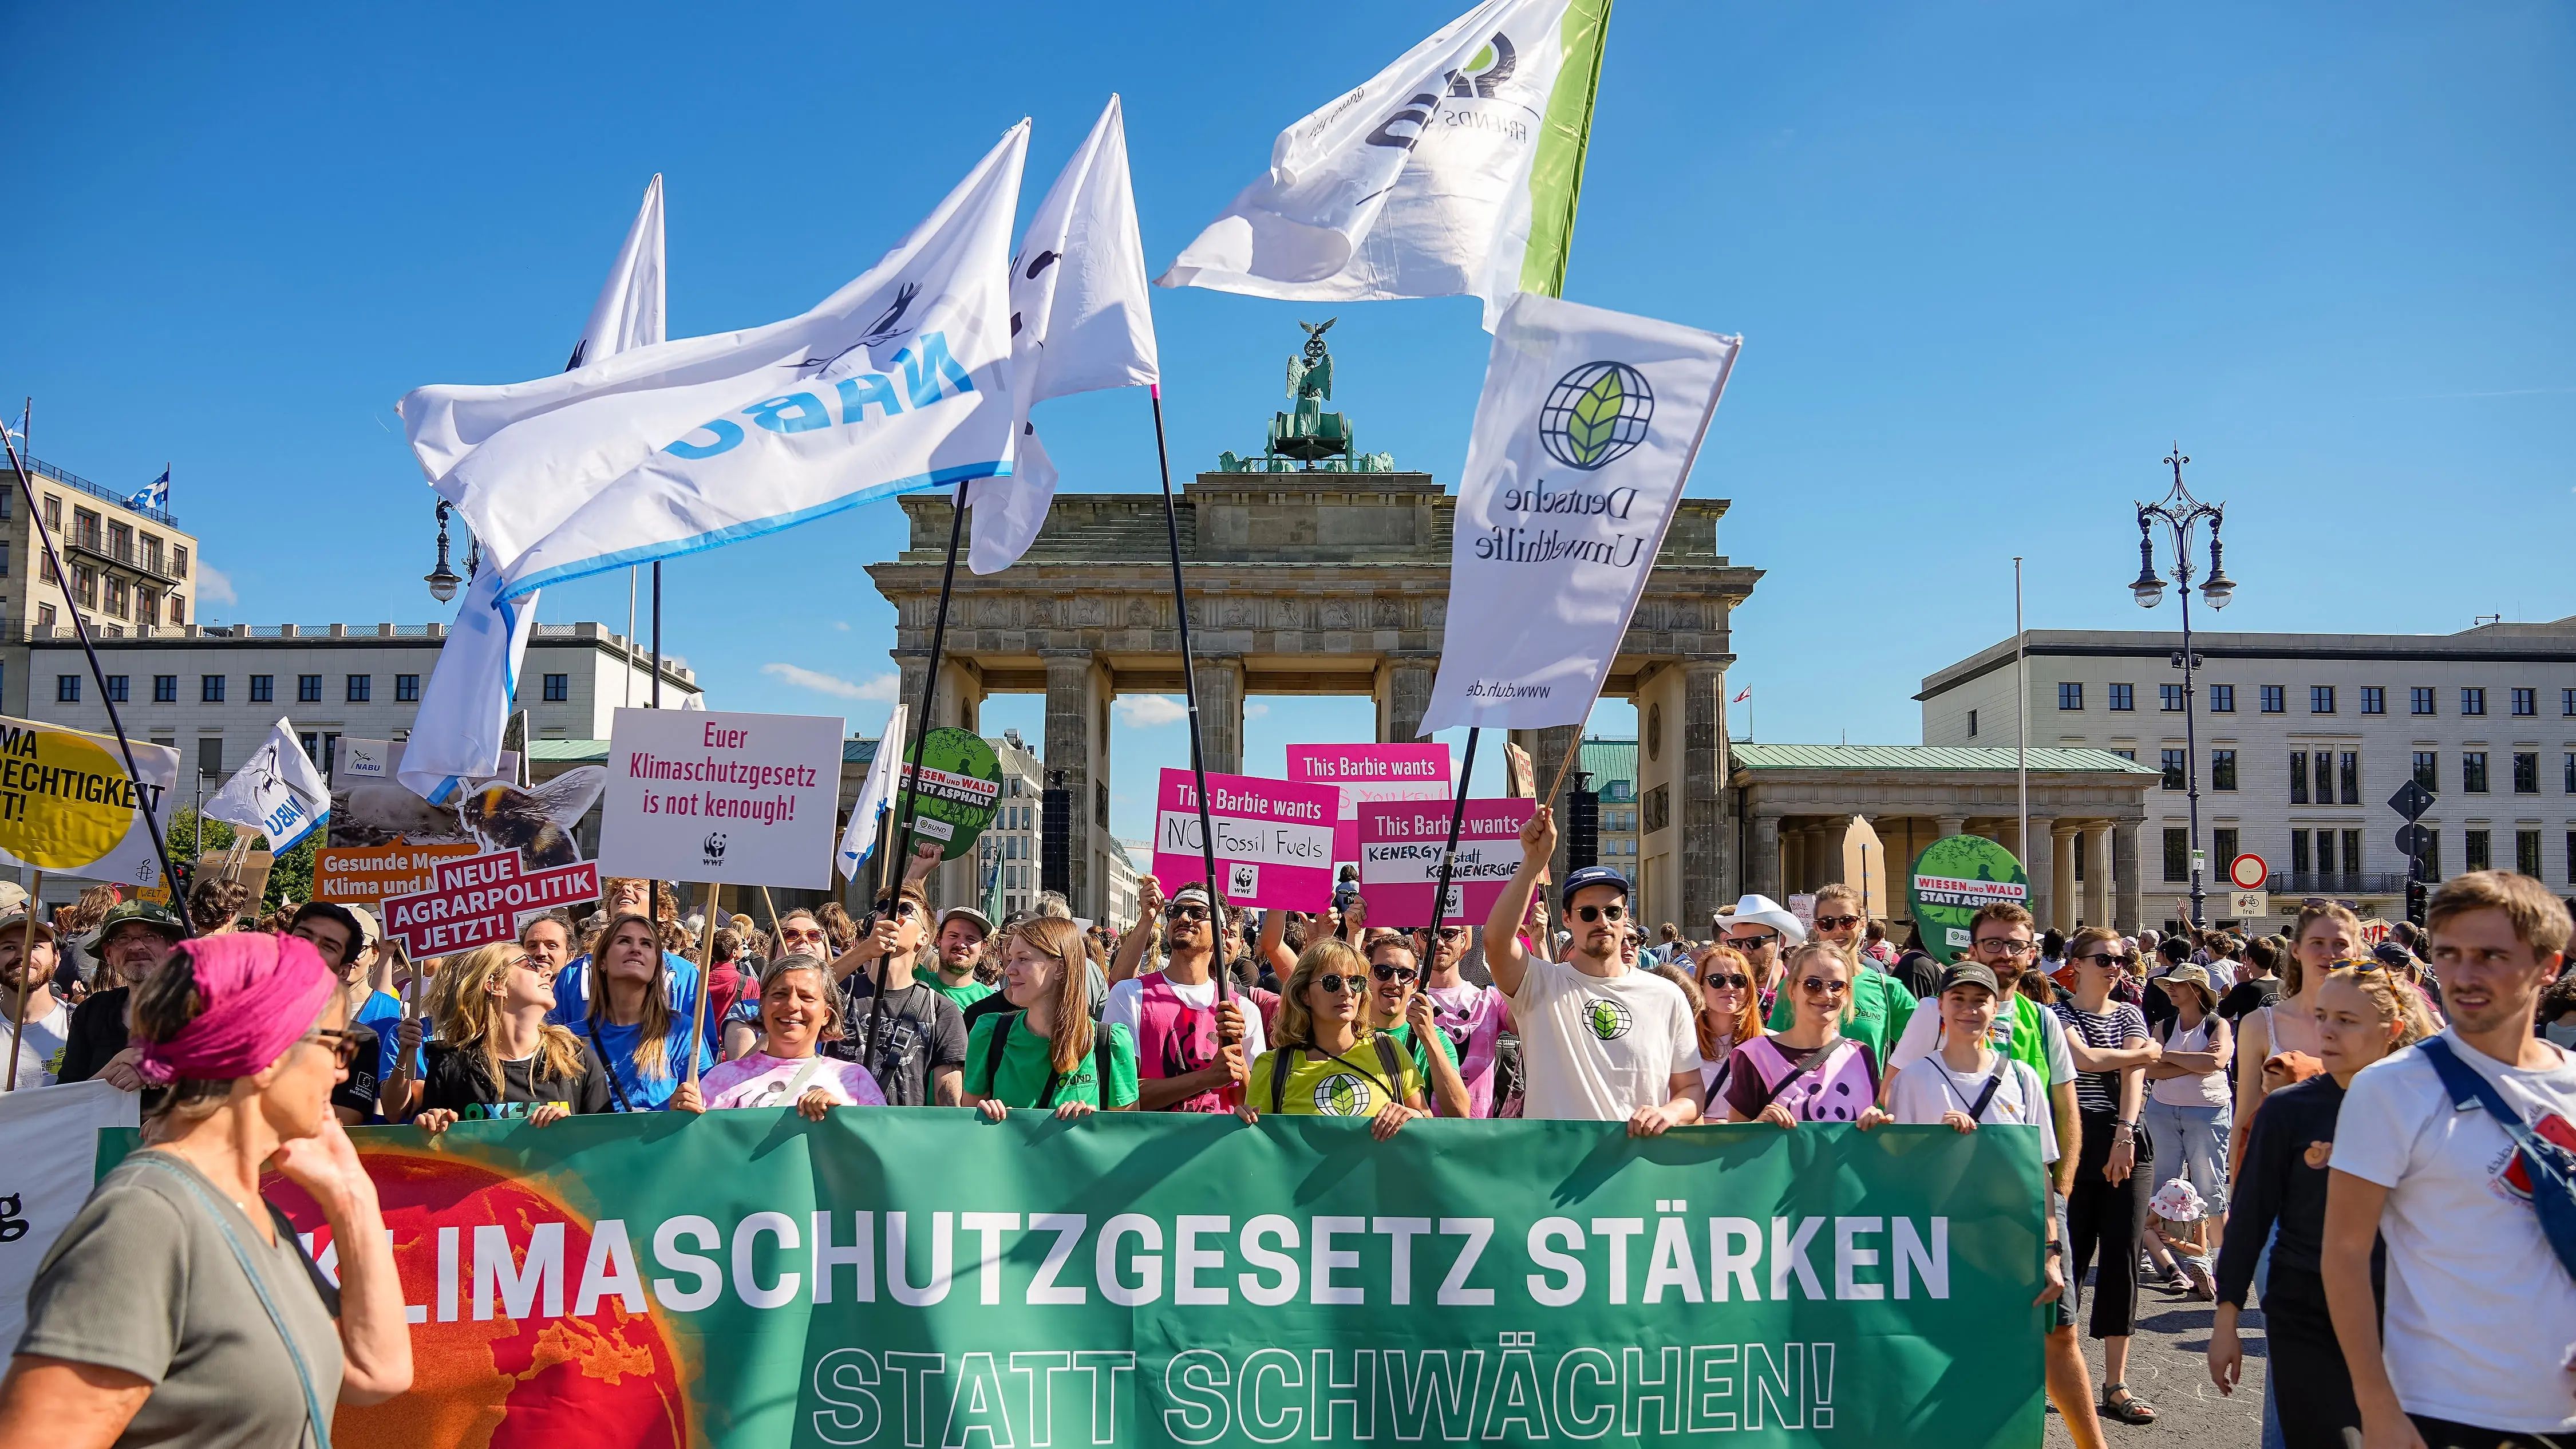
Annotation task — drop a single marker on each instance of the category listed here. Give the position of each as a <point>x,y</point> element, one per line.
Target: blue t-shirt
<point>617,1043</point>
<point>382,1013</point>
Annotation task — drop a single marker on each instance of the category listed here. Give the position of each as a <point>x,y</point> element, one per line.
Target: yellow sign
<point>65,800</point>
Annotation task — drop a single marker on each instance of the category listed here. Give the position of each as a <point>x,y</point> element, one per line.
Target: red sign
<point>2248,871</point>
<point>483,899</point>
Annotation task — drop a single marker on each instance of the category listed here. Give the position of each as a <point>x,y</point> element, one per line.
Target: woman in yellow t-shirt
<point>1326,1063</point>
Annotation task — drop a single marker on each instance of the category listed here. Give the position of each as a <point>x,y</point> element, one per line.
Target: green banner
<point>1954,878</point>
<point>960,781</point>
<point>916,1277</point>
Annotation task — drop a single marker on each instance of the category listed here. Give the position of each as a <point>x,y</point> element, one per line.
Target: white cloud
<point>1150,711</point>
<point>214,586</point>
<point>882,687</point>
<point>841,625</point>
<point>1255,710</point>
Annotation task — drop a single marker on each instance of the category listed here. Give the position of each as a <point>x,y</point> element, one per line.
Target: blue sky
<point>1990,261</point>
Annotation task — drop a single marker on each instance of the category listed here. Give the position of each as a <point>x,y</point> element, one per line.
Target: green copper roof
<point>568,751</point>
<point>1749,756</point>
<point>1613,767</point>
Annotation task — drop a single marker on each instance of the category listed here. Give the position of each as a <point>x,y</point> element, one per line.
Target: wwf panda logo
<point>1608,1019</point>
<point>1343,1094</point>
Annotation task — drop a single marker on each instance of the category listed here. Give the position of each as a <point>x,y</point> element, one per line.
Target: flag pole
<point>907,802</point>
<point>18,1019</point>
<point>2021,726</point>
<point>630,636</point>
<point>657,633</point>
<point>1449,852</point>
<point>706,950</point>
<point>1190,689</point>
<point>80,629</point>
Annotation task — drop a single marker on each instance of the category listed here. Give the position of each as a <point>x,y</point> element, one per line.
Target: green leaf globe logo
<point>1608,1019</point>
<point>1596,415</point>
<point>1342,1095</point>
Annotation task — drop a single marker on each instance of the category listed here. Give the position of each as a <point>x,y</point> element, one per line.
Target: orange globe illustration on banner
<point>611,1378</point>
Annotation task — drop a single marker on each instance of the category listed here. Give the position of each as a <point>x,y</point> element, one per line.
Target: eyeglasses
<point>1835,923</point>
<point>789,933</point>
<point>1819,986</point>
<point>1731,978</point>
<point>1392,973</point>
<point>1993,944</point>
<point>343,1045</point>
<point>1185,913</point>
<point>2106,960</point>
<point>1337,984</point>
<point>1600,913</point>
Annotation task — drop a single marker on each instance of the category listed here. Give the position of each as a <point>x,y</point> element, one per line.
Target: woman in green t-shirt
<point>1327,1063</point>
<point>1050,1054</point>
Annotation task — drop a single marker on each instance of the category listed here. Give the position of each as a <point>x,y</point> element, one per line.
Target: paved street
<point>2168,1370</point>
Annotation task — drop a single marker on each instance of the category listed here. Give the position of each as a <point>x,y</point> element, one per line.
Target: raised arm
<point>1273,947</point>
<point>1503,954</point>
<point>1131,946</point>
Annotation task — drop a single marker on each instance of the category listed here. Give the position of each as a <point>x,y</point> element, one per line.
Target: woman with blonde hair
<point>1730,1013</point>
<point>1049,1055</point>
<point>2325,934</point>
<point>637,1029</point>
<point>1327,1062</point>
<point>496,1057</point>
<point>1809,1072</point>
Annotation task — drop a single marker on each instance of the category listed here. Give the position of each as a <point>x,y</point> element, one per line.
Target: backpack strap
<point>1796,1070</point>
<point>314,1418</point>
<point>607,1066</point>
<point>1283,1062</point>
<point>1001,1043</point>
<point>1977,1112</point>
<point>1390,1062</point>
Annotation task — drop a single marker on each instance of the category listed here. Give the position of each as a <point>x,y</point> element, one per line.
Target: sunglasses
<point>1835,923</point>
<point>1819,986</point>
<point>1392,973</point>
<point>1337,984</point>
<point>791,933</point>
<point>1753,943</point>
<point>900,910</point>
<point>1185,913</point>
<point>2106,960</point>
<point>1735,979</point>
<point>1600,913</point>
<point>1452,933</point>
<point>343,1045</point>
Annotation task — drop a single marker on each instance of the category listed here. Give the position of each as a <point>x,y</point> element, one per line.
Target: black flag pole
<point>1190,692</point>
<point>657,633</point>
<point>890,874</point>
<point>80,630</point>
<point>1449,852</point>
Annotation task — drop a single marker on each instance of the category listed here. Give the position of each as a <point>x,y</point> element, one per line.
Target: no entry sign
<point>483,899</point>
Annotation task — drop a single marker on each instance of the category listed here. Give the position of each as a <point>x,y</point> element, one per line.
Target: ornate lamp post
<point>442,580</point>
<point>2181,514</point>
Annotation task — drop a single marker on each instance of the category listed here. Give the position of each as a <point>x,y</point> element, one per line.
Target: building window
<point>147,604</point>
<point>4,553</point>
<point>2124,697</point>
<point>2526,852</point>
<point>2352,850</point>
<point>2473,775</point>
<point>151,553</point>
<point>2526,773</point>
<point>2419,701</point>
<point>362,688</point>
<point>2374,700</point>
<point>210,755</point>
<point>2177,854</point>
<point>116,688</point>
<point>66,689</point>
<point>178,560</point>
<point>2432,855</point>
<point>165,690</point>
<point>2298,777</point>
<point>263,688</point>
<point>2477,850</point>
<point>2349,776</point>
<point>2571,857</point>
<point>2222,770</point>
<point>2222,845</point>
<point>2566,697</point>
<point>2300,861</point>
<point>178,610</point>
<point>44,616</point>
<point>308,689</point>
<point>210,689</point>
<point>2321,699</point>
<point>2175,761</point>
<point>559,688</point>
<point>85,585</point>
<point>407,688</point>
<point>2325,852</point>
<point>2130,755</point>
<point>1972,724</point>
<point>2526,701</point>
<point>2222,699</point>
<point>2169,698</point>
<point>85,528</point>
<point>2571,772</point>
<point>2272,701</point>
<point>2071,695</point>
<point>2427,770</point>
<point>2473,701</point>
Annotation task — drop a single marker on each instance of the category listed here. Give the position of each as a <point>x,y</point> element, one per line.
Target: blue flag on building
<point>155,494</point>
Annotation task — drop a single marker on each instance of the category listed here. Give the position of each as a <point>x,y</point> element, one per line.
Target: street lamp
<point>2181,514</point>
<point>442,580</point>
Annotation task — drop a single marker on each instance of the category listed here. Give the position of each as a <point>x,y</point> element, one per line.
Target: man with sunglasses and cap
<point>1195,1041</point>
<point>38,1021</point>
<point>131,942</point>
<point>1600,1041</point>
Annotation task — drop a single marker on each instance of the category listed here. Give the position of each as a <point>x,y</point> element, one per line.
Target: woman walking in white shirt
<point>2187,1102</point>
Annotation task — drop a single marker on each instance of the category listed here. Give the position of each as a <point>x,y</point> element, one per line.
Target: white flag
<point>859,840</point>
<point>1080,320</point>
<point>1584,435</point>
<point>900,380</point>
<point>1453,172</point>
<point>277,792</point>
<point>456,735</point>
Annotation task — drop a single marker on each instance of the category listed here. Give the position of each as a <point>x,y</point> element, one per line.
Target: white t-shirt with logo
<point>2480,1312</point>
<point>1597,1048</point>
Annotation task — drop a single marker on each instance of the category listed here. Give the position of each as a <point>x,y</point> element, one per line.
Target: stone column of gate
<point>2040,866</point>
<point>1077,760</point>
<point>1408,698</point>
<point>1762,872</point>
<point>2097,882</point>
<point>2061,878</point>
<point>1707,805</point>
<point>2127,910</point>
<point>1220,686</point>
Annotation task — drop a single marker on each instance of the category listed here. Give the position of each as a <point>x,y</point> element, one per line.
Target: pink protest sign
<point>1367,775</point>
<point>1274,839</point>
<point>1400,847</point>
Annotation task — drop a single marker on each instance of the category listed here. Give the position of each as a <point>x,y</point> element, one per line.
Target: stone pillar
<point>1404,694</point>
<point>1945,826</point>
<point>1548,749</point>
<point>2039,866</point>
<point>1077,760</point>
<point>1704,804</point>
<point>2097,874</point>
<point>1220,690</point>
<point>2062,908</point>
<point>1762,872</point>
<point>2126,910</point>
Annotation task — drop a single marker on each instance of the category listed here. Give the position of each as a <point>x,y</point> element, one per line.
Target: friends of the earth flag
<point>456,736</point>
<point>876,792</point>
<point>1584,435</point>
<point>1080,321</point>
<point>898,381</point>
<point>276,792</point>
<point>1452,172</point>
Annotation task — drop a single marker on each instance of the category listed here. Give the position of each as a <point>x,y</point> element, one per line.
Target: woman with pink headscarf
<point>178,1307</point>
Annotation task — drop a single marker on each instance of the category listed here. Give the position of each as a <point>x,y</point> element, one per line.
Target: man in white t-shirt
<point>2481,1314</point>
<point>1600,1040</point>
<point>47,1021</point>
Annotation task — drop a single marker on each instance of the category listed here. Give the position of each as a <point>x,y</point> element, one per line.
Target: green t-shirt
<point>1351,1085</point>
<point>1881,1006</point>
<point>965,996</point>
<point>1019,1079</point>
<point>1403,1037</point>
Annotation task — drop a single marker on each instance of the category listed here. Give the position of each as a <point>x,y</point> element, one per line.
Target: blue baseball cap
<point>1590,875</point>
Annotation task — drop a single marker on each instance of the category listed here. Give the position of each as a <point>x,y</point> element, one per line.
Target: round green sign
<point>959,781</point>
<point>1957,877</point>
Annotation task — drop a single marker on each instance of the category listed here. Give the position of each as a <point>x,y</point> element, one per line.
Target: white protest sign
<point>49,1138</point>
<point>732,799</point>
<point>1585,432</point>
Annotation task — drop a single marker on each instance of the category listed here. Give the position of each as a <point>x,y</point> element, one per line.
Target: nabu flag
<point>277,792</point>
<point>1452,172</point>
<point>900,380</point>
<point>1584,435</point>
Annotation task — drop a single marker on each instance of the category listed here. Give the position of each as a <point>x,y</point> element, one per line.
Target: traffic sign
<point>2413,840</point>
<point>2248,872</point>
<point>2245,904</point>
<point>2411,800</point>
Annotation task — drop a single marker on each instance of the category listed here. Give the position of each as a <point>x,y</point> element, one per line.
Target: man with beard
<point>132,941</point>
<point>962,933</point>
<point>1194,1041</point>
<point>39,1024</point>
